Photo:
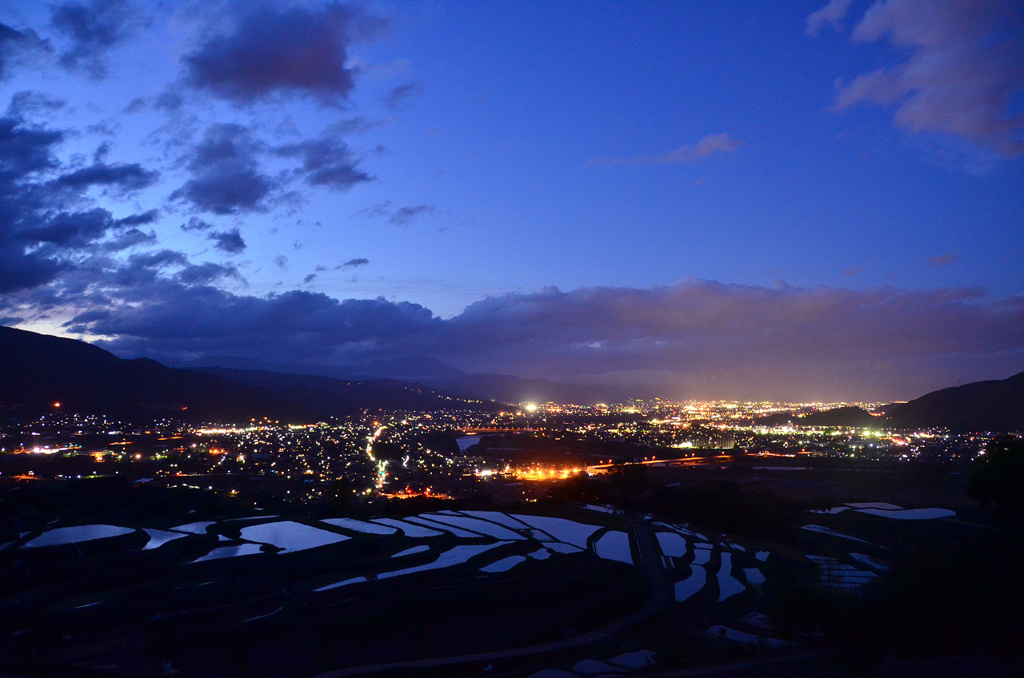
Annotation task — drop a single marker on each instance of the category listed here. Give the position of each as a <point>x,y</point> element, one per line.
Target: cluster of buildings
<point>442,453</point>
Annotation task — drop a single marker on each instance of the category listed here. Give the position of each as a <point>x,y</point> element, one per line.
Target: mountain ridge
<point>993,405</point>
<point>37,371</point>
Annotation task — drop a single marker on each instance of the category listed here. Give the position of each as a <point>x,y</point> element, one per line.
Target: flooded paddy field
<point>124,587</point>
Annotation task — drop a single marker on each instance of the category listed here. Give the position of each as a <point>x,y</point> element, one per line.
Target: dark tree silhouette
<point>998,478</point>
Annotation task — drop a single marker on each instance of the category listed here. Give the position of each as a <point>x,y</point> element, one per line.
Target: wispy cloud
<point>831,14</point>
<point>706,147</point>
<point>353,263</point>
<point>963,72</point>
<point>400,96</point>
<point>401,216</point>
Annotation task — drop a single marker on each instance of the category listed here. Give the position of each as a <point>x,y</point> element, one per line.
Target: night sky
<point>725,200</point>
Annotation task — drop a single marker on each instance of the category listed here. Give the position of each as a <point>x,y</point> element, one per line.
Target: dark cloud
<point>147,217</point>
<point>158,259</point>
<point>281,51</point>
<point>942,260</point>
<point>136,105</point>
<point>101,153</point>
<point>58,251</point>
<point>326,162</point>
<point>143,278</point>
<point>712,318</point>
<point>133,237</point>
<point>196,224</point>
<point>169,100</point>
<point>226,178</point>
<point>48,232</point>
<point>205,273</point>
<point>135,280</point>
<point>400,96</point>
<point>70,229</point>
<point>92,28</point>
<point>738,341</point>
<point>964,71</point>
<point>10,40</point>
<point>32,104</point>
<point>25,149</point>
<point>353,263</point>
<point>203,319</point>
<point>20,270</point>
<point>707,332</point>
<point>124,177</point>
<point>15,45</point>
<point>230,242</point>
<point>309,278</point>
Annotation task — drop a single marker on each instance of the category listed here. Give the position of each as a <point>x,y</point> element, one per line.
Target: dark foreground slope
<point>980,406</point>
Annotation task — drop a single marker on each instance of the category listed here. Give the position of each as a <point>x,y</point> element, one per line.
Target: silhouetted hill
<point>980,406</point>
<point>777,419</point>
<point>325,396</point>
<point>996,406</point>
<point>837,416</point>
<point>37,370</point>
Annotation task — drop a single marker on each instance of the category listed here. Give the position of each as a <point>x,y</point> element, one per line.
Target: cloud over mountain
<point>690,332</point>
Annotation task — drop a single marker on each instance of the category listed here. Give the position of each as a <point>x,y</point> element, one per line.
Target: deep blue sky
<point>735,199</point>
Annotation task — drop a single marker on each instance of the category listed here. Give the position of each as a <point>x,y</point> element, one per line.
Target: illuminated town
<point>537,526</point>
<point>511,339</point>
<point>509,454</point>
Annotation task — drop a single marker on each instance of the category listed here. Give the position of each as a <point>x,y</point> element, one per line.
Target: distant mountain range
<point>37,371</point>
<point>979,406</point>
<point>501,388</point>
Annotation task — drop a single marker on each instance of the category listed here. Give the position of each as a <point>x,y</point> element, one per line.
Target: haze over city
<point>735,200</point>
